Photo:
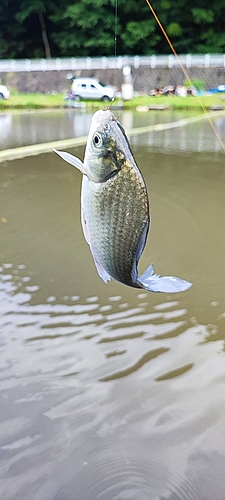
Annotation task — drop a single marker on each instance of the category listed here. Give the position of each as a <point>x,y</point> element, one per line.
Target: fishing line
<point>115,45</point>
<point>186,74</point>
<point>115,30</point>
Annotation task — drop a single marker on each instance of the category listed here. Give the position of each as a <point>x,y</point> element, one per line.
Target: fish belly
<point>116,214</point>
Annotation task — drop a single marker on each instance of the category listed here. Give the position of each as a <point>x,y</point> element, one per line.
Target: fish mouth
<point>103,118</point>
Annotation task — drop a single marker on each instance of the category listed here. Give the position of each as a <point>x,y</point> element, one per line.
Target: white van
<point>90,88</point>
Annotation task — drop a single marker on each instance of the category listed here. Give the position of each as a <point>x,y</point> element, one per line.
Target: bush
<point>198,84</point>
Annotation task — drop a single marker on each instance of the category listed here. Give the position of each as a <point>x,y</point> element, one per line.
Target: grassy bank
<point>42,101</point>
<point>175,102</point>
<point>32,101</point>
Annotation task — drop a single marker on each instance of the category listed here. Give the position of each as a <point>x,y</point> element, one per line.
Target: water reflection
<point>194,137</point>
<point>5,129</point>
<point>106,391</point>
<point>21,129</point>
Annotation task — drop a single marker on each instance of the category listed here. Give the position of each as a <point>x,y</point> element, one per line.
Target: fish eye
<point>97,140</point>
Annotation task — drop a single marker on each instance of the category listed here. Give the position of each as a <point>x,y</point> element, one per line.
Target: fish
<point>115,212</point>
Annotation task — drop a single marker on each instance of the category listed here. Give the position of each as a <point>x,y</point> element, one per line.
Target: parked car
<point>90,88</point>
<point>4,92</point>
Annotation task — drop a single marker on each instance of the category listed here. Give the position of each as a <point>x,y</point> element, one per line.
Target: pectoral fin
<point>73,160</point>
<point>167,284</point>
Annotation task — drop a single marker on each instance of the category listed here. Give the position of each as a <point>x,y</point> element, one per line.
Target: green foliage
<point>197,83</point>
<point>63,28</point>
<point>165,4</point>
<point>174,30</point>
<point>200,16</point>
<point>84,28</point>
<point>138,36</point>
<point>212,43</point>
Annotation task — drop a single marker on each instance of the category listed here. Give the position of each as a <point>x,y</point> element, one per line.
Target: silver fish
<point>115,207</point>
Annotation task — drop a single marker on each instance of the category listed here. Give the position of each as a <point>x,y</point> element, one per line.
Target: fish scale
<point>115,207</point>
<point>114,242</point>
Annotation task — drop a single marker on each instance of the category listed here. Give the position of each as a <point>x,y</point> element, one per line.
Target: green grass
<point>45,101</point>
<point>175,102</point>
<point>32,101</point>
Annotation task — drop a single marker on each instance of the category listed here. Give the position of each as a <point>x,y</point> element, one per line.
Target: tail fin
<point>167,284</point>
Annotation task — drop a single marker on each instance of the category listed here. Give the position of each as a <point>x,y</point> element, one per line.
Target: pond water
<point>107,392</point>
<point>26,128</point>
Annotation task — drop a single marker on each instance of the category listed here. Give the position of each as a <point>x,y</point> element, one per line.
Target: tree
<point>139,30</point>
<point>84,28</point>
<point>32,9</point>
<point>63,28</point>
<point>10,45</point>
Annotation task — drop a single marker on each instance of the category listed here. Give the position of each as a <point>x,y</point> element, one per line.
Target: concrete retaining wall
<point>144,78</point>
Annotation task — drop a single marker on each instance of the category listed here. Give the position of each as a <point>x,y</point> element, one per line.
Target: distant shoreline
<point>19,102</point>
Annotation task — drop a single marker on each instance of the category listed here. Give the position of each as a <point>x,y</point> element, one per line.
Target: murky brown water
<point>107,392</point>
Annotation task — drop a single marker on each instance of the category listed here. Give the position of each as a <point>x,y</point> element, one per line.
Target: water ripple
<point>148,356</point>
<point>107,393</point>
<point>48,325</point>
